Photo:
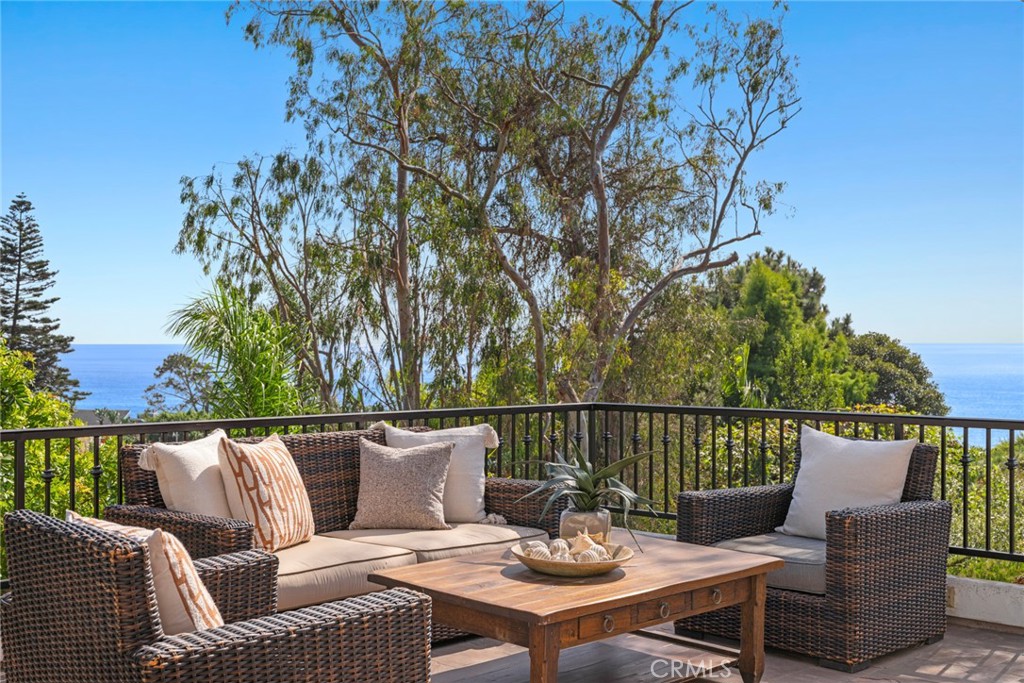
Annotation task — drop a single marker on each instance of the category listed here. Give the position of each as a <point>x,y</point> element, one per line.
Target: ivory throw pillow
<point>464,490</point>
<point>837,473</point>
<point>182,601</point>
<point>401,488</point>
<point>188,475</point>
<point>264,486</point>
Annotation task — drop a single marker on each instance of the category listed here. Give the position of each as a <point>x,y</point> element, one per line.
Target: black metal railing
<point>689,448</point>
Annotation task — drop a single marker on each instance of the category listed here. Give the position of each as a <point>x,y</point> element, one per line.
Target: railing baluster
<point>665,441</point>
<point>696,451</point>
<point>714,451</point>
<point>746,451</point>
<point>1011,466</point>
<point>96,473</point>
<point>730,447</point>
<point>988,489</point>
<point>47,476</point>
<point>763,448</point>
<point>965,461</point>
<point>19,474</point>
<point>71,473</point>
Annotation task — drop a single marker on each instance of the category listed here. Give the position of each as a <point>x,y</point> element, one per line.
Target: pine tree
<point>25,277</point>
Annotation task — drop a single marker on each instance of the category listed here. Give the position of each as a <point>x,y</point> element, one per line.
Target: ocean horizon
<point>978,380</point>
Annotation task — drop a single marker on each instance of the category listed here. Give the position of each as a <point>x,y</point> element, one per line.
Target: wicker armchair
<point>885,569</point>
<point>82,608</point>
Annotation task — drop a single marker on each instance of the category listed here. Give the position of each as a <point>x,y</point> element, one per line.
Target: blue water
<point>116,374</point>
<point>979,380</point>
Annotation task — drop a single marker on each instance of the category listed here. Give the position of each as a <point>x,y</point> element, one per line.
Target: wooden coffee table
<point>493,595</point>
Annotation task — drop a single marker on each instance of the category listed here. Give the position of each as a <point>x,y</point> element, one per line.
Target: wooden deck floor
<point>967,654</point>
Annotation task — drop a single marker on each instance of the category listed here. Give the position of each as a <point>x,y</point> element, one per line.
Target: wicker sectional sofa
<point>336,562</point>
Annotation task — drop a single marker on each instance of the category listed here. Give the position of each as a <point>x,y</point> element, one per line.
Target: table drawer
<point>662,608</point>
<point>611,621</point>
<point>720,595</point>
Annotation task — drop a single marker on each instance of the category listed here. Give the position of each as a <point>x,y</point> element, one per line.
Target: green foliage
<point>252,352</point>
<point>986,569</point>
<point>25,323</point>
<point>185,387</point>
<point>24,407</point>
<point>901,377</point>
<point>793,362</point>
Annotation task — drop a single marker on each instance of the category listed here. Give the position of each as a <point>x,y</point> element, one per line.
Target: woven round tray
<point>620,556</point>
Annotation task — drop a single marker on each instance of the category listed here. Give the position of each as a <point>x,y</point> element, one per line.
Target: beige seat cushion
<point>439,544</point>
<point>804,558</point>
<point>325,569</point>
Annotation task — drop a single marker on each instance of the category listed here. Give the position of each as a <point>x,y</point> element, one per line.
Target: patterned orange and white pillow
<point>182,600</point>
<point>264,487</point>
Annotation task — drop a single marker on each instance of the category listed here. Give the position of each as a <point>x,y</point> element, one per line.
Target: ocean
<point>979,380</point>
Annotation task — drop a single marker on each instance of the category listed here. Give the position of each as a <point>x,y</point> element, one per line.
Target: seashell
<point>559,545</point>
<point>582,543</point>
<point>533,544</point>
<point>591,555</point>
<point>562,557</point>
<point>602,552</point>
<point>541,553</point>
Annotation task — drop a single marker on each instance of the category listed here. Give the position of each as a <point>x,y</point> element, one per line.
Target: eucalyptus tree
<point>367,106</point>
<point>270,228</point>
<point>594,163</point>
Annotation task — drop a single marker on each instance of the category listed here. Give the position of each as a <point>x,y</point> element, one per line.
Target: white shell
<point>591,555</point>
<point>562,557</point>
<point>559,545</point>
<point>534,544</point>
<point>582,543</point>
<point>541,553</point>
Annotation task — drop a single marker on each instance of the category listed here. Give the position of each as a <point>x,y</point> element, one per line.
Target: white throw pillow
<point>464,489</point>
<point>837,473</point>
<point>182,601</point>
<point>189,475</point>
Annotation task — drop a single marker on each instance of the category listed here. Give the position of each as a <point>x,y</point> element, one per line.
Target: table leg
<point>751,662</point>
<point>544,654</point>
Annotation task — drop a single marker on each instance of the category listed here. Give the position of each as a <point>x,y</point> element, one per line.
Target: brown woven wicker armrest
<point>379,637</point>
<point>891,552</point>
<point>505,497</point>
<point>202,535</point>
<point>707,517</point>
<point>242,585</point>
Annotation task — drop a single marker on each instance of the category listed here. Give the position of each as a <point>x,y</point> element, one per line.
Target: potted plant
<point>589,494</point>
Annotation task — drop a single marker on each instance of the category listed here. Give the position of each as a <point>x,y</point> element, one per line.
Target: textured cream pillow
<point>837,473</point>
<point>189,475</point>
<point>182,600</point>
<point>264,486</point>
<point>401,488</point>
<point>464,490</point>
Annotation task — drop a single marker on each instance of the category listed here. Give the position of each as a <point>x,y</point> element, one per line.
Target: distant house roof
<point>102,416</point>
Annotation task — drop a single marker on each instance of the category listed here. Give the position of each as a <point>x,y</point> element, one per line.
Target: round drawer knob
<point>663,610</point>
<point>609,623</point>
<point>716,596</point>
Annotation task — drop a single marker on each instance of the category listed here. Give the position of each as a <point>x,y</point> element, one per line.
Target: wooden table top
<point>497,583</point>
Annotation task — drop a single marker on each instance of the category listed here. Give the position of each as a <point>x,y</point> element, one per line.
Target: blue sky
<point>905,170</point>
